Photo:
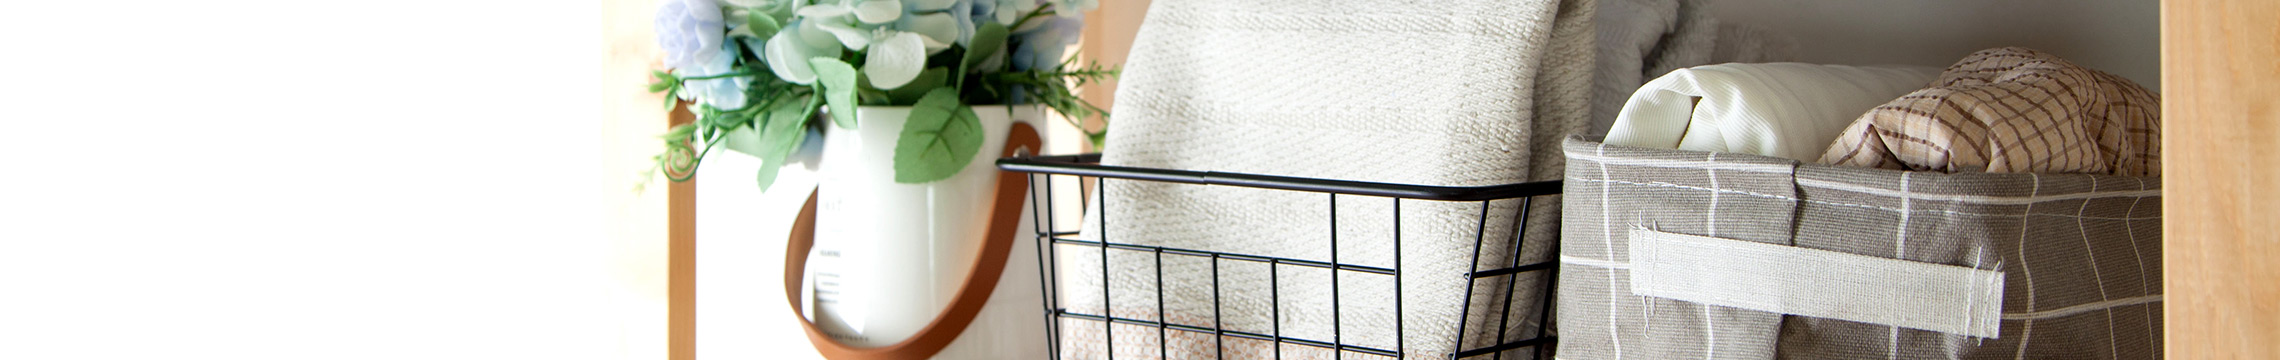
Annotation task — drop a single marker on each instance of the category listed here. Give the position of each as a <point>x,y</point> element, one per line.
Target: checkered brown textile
<point>2080,254</point>
<point>2011,110</point>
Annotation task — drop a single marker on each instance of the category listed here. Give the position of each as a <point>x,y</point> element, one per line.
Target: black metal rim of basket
<point>1083,166</point>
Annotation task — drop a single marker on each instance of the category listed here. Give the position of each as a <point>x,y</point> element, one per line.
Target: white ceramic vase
<point>889,257</point>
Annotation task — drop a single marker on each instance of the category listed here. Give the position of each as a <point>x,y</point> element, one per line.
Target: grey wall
<point>2117,36</point>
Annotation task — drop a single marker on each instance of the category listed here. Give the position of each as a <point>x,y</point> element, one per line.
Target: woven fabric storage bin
<point>1670,254</point>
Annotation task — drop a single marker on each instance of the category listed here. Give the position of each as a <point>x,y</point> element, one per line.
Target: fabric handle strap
<point>1816,283</point>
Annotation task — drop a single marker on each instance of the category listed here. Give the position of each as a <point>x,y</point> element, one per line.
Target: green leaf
<point>734,119</point>
<point>985,43</point>
<point>665,80</point>
<point>745,141</point>
<point>940,138</point>
<point>705,116</point>
<point>768,169</point>
<point>669,84</point>
<point>837,80</point>
<point>761,24</point>
<point>679,135</point>
<point>814,104</point>
<point>784,130</point>
<point>873,97</point>
<point>926,82</point>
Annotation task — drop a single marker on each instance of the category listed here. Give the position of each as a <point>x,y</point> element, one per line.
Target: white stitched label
<point>1816,283</point>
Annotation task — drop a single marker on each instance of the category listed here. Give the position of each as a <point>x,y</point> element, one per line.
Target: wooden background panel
<point>2221,251</point>
<point>1108,39</point>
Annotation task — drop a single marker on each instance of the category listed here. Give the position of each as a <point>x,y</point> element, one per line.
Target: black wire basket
<point>1051,237</point>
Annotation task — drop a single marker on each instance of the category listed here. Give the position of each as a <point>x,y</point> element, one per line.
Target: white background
<point>304,179</point>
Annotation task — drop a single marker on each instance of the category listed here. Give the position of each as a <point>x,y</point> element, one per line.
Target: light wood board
<point>2221,178</point>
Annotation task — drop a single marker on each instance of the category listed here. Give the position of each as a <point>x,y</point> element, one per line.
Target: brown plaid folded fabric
<point>2011,110</point>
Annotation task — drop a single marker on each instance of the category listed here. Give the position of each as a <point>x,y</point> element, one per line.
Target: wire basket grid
<point>1050,238</point>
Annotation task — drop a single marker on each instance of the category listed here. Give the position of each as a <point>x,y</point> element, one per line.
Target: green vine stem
<point>685,166</point>
<point>1042,10</point>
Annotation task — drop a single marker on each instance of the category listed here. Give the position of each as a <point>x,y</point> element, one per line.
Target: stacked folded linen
<point>2012,110</point>
<point>1788,110</point>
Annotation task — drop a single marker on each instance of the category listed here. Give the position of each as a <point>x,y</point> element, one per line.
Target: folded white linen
<point>1789,110</point>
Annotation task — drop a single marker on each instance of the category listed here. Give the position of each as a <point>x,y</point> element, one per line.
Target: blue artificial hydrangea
<point>1074,8</point>
<point>723,93</point>
<point>691,31</point>
<point>966,12</point>
<point>1040,47</point>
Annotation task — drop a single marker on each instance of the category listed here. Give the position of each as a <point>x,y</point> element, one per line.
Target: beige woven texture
<point>1455,93</point>
<point>2012,110</point>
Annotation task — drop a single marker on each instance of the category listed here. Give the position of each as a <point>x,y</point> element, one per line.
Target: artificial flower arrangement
<point>766,68</point>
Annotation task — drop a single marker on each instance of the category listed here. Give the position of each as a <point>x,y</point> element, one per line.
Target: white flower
<point>845,23</point>
<point>788,52</point>
<point>895,58</point>
<point>877,11</point>
<point>917,6</point>
<point>850,34</point>
<point>938,30</point>
<point>867,11</point>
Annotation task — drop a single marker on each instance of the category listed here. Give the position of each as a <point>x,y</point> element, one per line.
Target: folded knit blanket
<point>1786,110</point>
<point>2012,110</point>
<point>1440,92</point>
